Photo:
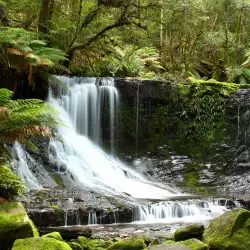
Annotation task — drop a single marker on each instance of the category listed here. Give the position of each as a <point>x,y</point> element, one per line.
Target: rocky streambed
<point>17,232</point>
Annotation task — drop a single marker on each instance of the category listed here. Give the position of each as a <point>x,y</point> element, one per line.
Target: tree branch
<point>100,34</point>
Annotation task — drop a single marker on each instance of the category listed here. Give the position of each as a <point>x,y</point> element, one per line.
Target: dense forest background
<point>150,39</point>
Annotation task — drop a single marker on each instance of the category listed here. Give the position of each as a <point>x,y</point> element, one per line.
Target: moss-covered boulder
<point>192,244</point>
<point>168,247</point>
<point>40,243</point>
<point>230,231</point>
<point>130,244</point>
<point>54,235</point>
<point>75,246</point>
<point>15,224</point>
<point>92,244</point>
<point>189,232</point>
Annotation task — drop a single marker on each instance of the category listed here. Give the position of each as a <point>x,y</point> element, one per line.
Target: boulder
<point>54,235</point>
<point>229,231</point>
<point>189,232</point>
<point>75,246</point>
<point>91,244</point>
<point>40,243</point>
<point>14,224</point>
<point>192,244</point>
<point>168,247</point>
<point>131,244</point>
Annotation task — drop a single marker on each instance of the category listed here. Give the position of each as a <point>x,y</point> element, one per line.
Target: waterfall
<point>80,109</point>
<point>20,164</point>
<point>92,218</point>
<point>173,212</point>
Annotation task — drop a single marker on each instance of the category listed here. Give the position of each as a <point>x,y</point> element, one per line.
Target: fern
<point>22,50</point>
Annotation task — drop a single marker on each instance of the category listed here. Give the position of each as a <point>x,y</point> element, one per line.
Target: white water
<point>181,212</point>
<point>20,163</point>
<point>86,162</point>
<point>92,218</point>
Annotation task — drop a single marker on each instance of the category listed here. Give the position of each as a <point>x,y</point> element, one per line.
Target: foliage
<point>20,120</point>
<point>24,51</point>
<point>186,33</point>
<point>10,184</point>
<point>133,62</point>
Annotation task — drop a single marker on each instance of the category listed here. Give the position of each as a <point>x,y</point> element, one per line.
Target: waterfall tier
<point>80,109</point>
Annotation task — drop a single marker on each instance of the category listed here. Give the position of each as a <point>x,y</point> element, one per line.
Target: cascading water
<point>80,107</point>
<point>175,212</point>
<point>20,163</point>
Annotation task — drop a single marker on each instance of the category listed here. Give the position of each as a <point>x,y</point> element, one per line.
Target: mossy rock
<point>192,244</point>
<point>15,223</point>
<point>43,243</point>
<point>75,246</point>
<point>131,244</point>
<point>91,244</point>
<point>189,232</point>
<point>230,231</point>
<point>168,247</point>
<point>54,235</point>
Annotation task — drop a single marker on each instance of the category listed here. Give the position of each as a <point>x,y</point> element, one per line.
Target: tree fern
<point>22,50</point>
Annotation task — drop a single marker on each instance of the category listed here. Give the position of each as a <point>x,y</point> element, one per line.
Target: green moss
<point>43,243</point>
<point>54,235</point>
<point>57,208</point>
<point>10,184</point>
<point>75,246</point>
<point>192,244</point>
<point>191,231</point>
<point>229,231</point>
<point>92,244</point>
<point>131,244</point>
<point>15,223</point>
<point>41,195</point>
<point>58,179</point>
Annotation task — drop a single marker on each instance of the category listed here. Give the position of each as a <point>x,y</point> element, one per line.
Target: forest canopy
<point>142,38</point>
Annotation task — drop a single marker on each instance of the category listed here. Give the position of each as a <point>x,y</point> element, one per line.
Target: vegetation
<point>20,120</point>
<point>145,38</point>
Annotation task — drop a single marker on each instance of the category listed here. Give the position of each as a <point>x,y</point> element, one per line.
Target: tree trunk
<point>45,16</point>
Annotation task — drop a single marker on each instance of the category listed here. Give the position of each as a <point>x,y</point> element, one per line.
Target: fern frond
<point>15,51</point>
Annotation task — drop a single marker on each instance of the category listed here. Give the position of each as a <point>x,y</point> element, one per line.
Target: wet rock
<point>243,157</point>
<point>229,231</point>
<point>168,247</point>
<point>38,243</point>
<point>68,233</point>
<point>191,231</point>
<point>131,244</point>
<point>54,235</point>
<point>15,224</point>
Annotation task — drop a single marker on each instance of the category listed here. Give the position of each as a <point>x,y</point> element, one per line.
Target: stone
<point>54,235</point>
<point>168,247</point>
<point>75,246</point>
<point>191,231</point>
<point>92,244</point>
<point>40,243</point>
<point>131,244</point>
<point>192,244</point>
<point>15,224</point>
<point>229,231</point>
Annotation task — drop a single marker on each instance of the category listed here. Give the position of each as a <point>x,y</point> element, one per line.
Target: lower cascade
<point>173,212</point>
